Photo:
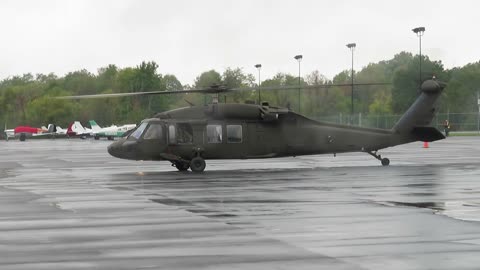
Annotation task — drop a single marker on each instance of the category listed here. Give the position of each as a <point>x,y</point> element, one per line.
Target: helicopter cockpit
<point>150,139</point>
<point>152,131</point>
<point>140,143</point>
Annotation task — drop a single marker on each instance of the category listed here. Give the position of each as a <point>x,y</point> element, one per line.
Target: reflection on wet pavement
<point>82,209</point>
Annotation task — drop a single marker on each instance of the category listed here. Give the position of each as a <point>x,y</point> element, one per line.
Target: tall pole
<point>299,59</point>
<point>420,60</point>
<point>478,116</point>
<point>351,46</point>
<point>419,31</point>
<point>259,66</point>
<point>351,90</point>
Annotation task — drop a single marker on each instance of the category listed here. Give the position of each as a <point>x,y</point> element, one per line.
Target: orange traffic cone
<point>425,144</point>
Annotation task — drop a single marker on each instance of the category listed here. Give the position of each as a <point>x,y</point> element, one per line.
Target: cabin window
<point>154,132</point>
<point>234,133</point>
<point>172,134</point>
<point>214,133</point>
<point>185,133</point>
<point>138,132</point>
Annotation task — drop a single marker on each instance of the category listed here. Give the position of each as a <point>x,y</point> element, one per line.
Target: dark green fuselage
<point>241,131</point>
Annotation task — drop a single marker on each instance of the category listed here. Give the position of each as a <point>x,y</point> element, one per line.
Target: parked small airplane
<point>24,132</point>
<point>9,133</point>
<point>110,132</point>
<point>76,130</point>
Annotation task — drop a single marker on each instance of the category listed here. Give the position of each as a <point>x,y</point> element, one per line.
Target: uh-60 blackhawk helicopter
<point>187,137</point>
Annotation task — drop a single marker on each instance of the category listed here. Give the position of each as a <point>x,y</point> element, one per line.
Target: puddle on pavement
<point>431,205</point>
<point>460,210</point>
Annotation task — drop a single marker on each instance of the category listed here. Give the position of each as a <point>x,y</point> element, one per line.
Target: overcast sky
<point>188,37</point>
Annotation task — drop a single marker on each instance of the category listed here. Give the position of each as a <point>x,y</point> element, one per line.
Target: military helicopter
<point>189,136</point>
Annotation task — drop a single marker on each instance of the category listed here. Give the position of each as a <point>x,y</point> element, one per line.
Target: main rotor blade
<point>293,87</point>
<point>149,93</point>
<point>216,90</point>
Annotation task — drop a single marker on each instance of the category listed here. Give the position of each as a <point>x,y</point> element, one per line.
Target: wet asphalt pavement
<point>66,204</point>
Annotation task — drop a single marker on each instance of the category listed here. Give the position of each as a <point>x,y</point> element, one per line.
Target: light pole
<point>259,66</point>
<point>478,116</point>
<point>351,46</point>
<point>299,59</point>
<point>419,31</point>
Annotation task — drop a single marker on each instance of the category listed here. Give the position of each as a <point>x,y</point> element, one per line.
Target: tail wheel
<point>181,166</point>
<point>197,164</point>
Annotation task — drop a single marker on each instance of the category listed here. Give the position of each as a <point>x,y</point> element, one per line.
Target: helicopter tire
<point>385,161</point>
<point>181,166</point>
<point>197,164</point>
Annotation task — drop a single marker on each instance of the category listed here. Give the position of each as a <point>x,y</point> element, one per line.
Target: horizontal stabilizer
<point>427,134</point>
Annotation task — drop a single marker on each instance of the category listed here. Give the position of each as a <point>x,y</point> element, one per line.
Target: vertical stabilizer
<point>423,110</point>
<point>78,128</point>
<point>95,127</point>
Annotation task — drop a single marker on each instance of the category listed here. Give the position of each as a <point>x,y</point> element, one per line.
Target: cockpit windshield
<point>154,132</point>
<point>138,132</point>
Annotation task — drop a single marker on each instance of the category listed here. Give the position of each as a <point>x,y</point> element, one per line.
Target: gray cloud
<point>188,37</point>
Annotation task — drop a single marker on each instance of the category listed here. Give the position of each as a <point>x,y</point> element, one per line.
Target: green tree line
<point>29,99</point>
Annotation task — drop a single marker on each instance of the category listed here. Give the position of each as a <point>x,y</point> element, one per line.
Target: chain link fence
<point>459,122</point>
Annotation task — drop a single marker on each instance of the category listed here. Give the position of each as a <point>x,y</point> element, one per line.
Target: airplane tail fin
<point>418,117</point>
<point>52,128</point>
<point>94,125</point>
<point>70,131</point>
<point>60,130</point>
<point>78,128</point>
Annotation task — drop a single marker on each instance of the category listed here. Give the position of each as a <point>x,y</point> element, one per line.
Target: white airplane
<point>60,130</point>
<point>9,133</point>
<point>76,129</point>
<point>111,131</point>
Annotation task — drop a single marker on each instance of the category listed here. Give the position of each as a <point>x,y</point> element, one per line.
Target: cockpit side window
<point>214,133</point>
<point>154,132</point>
<point>138,132</point>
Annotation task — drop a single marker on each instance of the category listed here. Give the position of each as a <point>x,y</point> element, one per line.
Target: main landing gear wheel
<point>385,161</point>
<point>181,165</point>
<point>197,164</point>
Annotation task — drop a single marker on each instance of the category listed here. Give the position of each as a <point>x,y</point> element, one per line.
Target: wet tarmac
<point>66,204</point>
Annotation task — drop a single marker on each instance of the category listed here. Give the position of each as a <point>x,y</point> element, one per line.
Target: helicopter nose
<point>123,149</point>
<point>114,149</point>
